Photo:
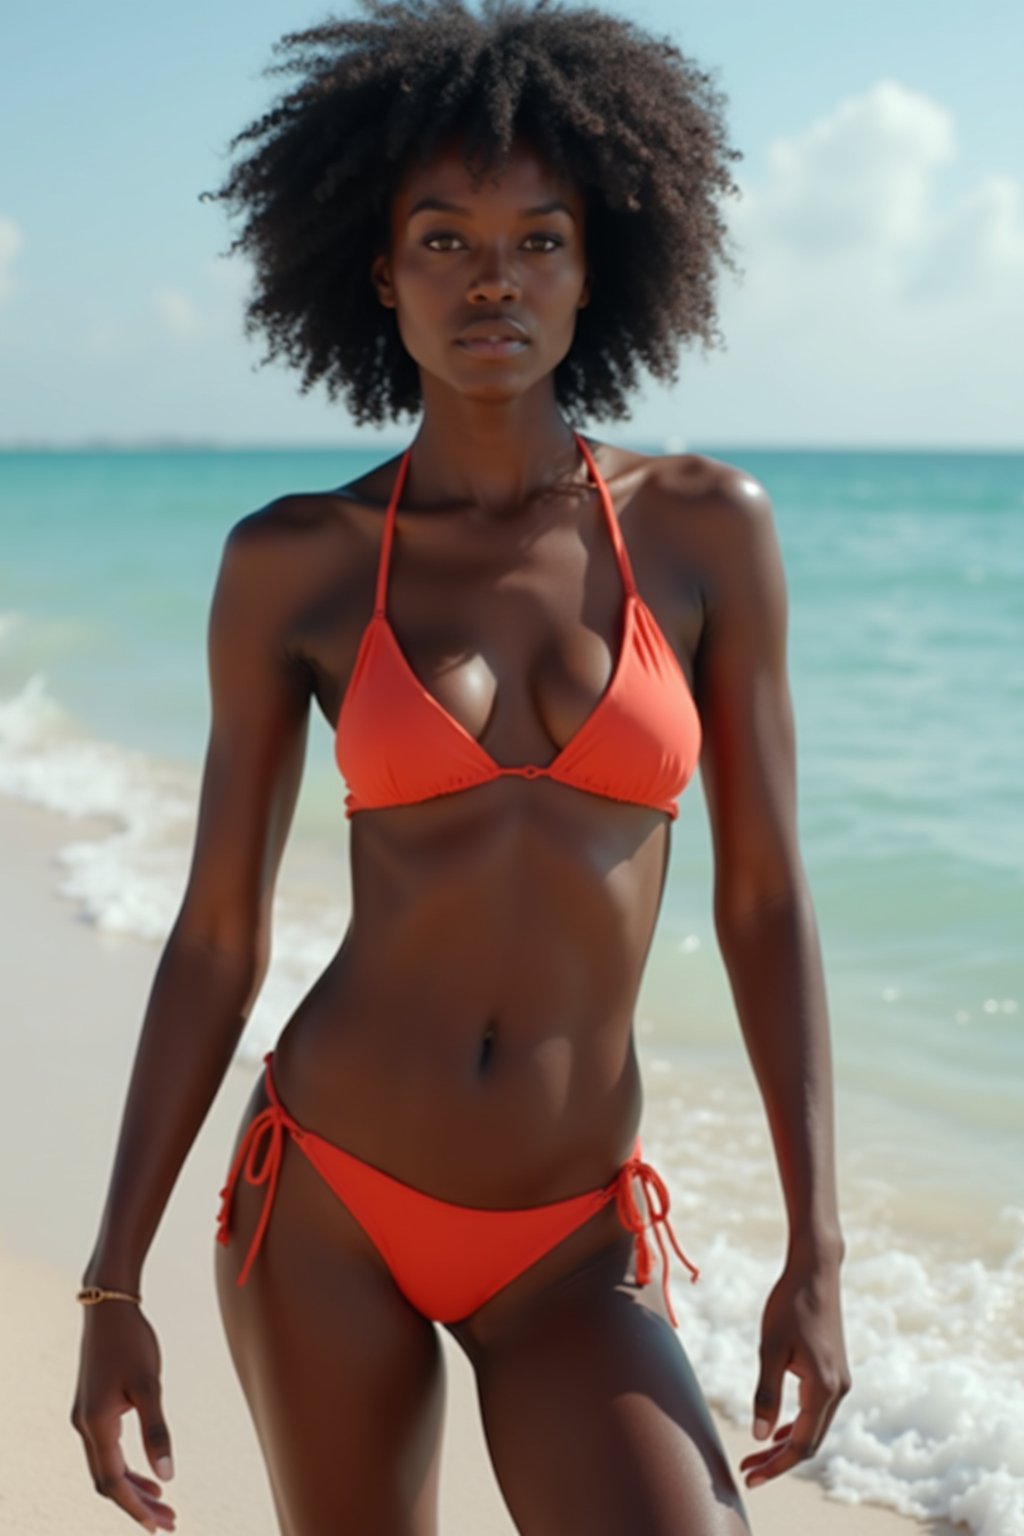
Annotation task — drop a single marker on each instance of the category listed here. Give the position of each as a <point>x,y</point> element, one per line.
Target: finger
<point>758,1459</point>
<point>148,1489</point>
<point>144,1484</point>
<point>145,1399</point>
<point>755,1458</point>
<point>777,1462</point>
<point>111,1474</point>
<point>768,1392</point>
<point>797,1447</point>
<point>830,1413</point>
<point>815,1401</point>
<point>79,1423</point>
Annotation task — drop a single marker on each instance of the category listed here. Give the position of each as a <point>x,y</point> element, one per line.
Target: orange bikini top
<point>396,745</point>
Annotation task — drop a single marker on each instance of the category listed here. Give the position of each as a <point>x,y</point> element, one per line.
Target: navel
<point>486,1050</point>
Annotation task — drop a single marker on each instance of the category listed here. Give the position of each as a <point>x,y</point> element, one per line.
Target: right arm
<point>207,980</point>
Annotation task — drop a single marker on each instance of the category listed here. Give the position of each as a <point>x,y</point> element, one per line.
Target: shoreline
<point>71,1068</point>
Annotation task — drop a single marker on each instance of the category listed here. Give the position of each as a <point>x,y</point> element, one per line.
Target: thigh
<point>594,1418</point>
<point>344,1379</point>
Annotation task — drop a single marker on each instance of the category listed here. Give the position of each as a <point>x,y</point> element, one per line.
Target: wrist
<point>113,1273</point>
<point>816,1248</point>
<point>94,1295</point>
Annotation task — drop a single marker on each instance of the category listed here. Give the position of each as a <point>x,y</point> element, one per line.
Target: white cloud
<point>11,241</point>
<point>876,307</point>
<point>860,176</point>
<point>176,311</point>
<point>848,206</point>
<point>980,244</point>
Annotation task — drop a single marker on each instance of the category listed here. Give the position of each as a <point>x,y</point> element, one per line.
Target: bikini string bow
<point>258,1160</point>
<point>656,1200</point>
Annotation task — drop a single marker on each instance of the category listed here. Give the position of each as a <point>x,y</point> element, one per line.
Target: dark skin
<point>428,1047</point>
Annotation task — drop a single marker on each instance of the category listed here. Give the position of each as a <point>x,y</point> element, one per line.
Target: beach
<point>74,998</point>
<point>905,572</point>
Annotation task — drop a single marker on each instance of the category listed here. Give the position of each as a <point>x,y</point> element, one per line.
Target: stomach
<point>473,1035</point>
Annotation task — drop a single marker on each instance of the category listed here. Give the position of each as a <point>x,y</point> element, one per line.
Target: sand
<point>73,1001</point>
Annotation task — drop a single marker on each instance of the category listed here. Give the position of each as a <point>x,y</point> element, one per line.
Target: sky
<point>880,228</point>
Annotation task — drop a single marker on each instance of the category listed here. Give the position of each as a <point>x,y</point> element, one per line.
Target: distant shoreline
<point>183,445</point>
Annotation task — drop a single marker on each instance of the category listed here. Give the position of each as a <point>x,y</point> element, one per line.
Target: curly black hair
<point>635,124</point>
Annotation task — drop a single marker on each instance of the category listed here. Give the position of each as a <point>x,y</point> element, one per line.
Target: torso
<point>473,1035</point>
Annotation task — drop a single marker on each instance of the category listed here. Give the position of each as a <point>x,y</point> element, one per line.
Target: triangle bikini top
<point>396,745</point>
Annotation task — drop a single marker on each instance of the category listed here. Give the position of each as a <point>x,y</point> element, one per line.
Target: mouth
<point>493,337</point>
<point>492,346</point>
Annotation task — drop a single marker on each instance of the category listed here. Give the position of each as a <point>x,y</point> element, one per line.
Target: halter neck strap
<point>384,561</point>
<point>614,531</point>
<point>612,521</point>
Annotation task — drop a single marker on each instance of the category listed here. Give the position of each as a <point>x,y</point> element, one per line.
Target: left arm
<point>766,929</point>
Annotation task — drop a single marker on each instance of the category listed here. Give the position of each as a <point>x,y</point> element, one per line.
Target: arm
<point>206,982</point>
<point>768,937</point>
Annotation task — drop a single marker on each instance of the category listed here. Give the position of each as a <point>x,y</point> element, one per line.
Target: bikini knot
<point>258,1160</point>
<point>656,1219</point>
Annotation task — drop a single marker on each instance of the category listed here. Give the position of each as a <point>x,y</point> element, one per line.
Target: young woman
<point>524,639</point>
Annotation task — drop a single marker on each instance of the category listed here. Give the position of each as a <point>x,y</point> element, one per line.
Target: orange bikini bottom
<point>447,1260</point>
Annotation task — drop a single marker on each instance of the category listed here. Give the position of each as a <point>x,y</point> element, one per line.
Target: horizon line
<point>671,444</point>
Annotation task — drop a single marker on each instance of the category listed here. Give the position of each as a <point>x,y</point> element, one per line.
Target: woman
<point>524,639</point>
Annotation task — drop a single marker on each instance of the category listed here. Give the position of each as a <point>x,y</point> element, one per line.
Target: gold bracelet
<point>90,1295</point>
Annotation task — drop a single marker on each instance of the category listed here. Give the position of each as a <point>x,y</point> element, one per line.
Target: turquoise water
<point>906,582</point>
<point>906,579</point>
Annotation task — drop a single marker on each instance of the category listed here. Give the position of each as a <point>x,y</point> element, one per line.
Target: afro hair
<point>626,116</point>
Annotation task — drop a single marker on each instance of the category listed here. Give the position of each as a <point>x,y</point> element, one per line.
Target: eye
<point>431,241</point>
<point>447,240</point>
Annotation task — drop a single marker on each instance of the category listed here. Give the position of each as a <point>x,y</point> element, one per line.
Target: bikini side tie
<point>259,1159</point>
<point>264,1134</point>
<point>657,1202</point>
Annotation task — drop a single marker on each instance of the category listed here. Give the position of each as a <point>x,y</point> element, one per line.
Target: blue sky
<point>881,227</point>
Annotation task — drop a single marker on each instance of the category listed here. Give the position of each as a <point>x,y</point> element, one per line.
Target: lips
<point>499,336</point>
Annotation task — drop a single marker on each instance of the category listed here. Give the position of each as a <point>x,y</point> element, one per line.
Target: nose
<point>495,280</point>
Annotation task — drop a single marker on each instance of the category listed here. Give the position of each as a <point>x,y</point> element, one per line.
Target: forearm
<point>197,1008</point>
<point>773,959</point>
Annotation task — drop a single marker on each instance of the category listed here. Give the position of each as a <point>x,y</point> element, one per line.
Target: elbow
<point>240,953</point>
<point>742,907</point>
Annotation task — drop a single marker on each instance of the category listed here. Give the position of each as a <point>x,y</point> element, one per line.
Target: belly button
<point>486,1049</point>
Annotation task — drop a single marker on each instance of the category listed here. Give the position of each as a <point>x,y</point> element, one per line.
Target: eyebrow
<point>435,205</point>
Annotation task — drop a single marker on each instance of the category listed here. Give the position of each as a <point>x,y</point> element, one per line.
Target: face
<point>486,282</point>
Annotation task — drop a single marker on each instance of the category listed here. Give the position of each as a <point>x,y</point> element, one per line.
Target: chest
<point>516,634</point>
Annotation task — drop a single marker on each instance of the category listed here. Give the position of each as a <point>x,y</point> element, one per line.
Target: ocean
<point>906,584</point>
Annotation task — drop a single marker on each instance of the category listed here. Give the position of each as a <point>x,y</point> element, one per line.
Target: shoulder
<point>693,487</point>
<point>290,535</point>
<point>274,558</point>
<point>711,526</point>
<point>710,518</point>
<point>286,521</point>
<point>297,523</point>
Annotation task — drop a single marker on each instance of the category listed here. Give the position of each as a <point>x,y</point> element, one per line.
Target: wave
<point>934,1424</point>
<point>126,869</point>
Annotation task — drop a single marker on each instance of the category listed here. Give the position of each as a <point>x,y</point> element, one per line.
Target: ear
<point>380,276</point>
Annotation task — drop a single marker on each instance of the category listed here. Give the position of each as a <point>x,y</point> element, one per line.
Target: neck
<point>491,458</point>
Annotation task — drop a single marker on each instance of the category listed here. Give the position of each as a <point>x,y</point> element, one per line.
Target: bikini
<point>396,745</point>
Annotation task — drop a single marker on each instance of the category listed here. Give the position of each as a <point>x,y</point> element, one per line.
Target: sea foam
<point>128,875</point>
<point>934,1424</point>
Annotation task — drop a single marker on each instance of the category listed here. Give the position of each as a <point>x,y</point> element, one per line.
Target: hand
<point>802,1332</point>
<point>120,1370</point>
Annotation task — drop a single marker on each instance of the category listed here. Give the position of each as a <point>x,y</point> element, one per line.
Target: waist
<point>513,1122</point>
